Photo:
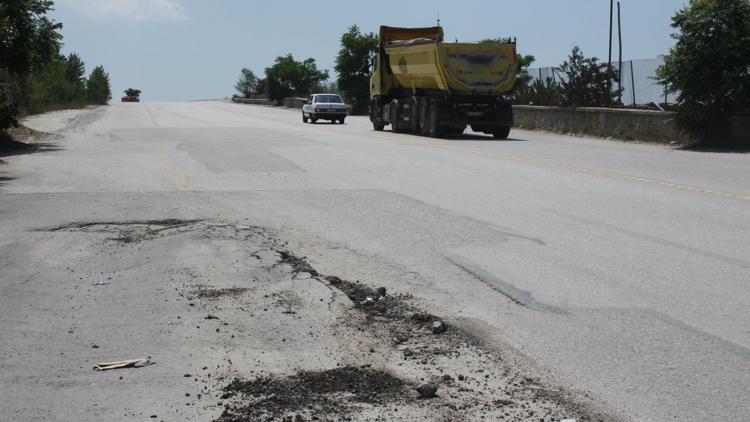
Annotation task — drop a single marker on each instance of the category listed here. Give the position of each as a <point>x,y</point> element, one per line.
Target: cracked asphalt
<point>613,275</point>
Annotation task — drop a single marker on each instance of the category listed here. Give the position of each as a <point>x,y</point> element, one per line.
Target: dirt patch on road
<point>331,392</point>
<point>213,293</point>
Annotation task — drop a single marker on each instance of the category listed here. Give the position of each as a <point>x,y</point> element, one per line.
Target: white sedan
<point>324,107</point>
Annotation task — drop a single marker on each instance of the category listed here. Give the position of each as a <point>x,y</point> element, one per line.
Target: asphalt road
<point>620,270</point>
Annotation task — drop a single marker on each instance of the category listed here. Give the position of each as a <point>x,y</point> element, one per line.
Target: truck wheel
<point>414,115</point>
<point>501,132</point>
<point>393,111</point>
<point>423,109</point>
<point>434,130</point>
<point>378,126</point>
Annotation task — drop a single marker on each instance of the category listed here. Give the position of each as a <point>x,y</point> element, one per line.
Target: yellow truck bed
<point>454,67</point>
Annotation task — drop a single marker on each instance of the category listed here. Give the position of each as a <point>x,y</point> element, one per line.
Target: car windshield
<point>328,99</point>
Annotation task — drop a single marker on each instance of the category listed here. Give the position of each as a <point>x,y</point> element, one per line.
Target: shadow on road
<point>4,180</point>
<point>9,148</point>
<point>471,137</point>
<point>714,149</point>
<point>480,138</point>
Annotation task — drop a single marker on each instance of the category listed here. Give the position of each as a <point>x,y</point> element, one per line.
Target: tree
<point>28,41</point>
<point>75,70</point>
<point>28,38</point>
<point>288,77</point>
<point>98,87</point>
<point>587,82</point>
<point>353,67</point>
<point>249,84</point>
<point>709,67</point>
<point>132,92</point>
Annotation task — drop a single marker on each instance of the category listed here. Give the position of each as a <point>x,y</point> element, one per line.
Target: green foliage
<point>132,92</point>
<point>51,87</point>
<point>249,84</point>
<point>75,70</point>
<point>328,87</point>
<point>709,67</point>
<point>288,78</point>
<point>98,87</point>
<point>522,87</point>
<point>542,93</point>
<point>353,67</point>
<point>587,83</point>
<point>28,38</point>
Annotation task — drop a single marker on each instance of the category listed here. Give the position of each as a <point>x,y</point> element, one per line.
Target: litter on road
<point>130,363</point>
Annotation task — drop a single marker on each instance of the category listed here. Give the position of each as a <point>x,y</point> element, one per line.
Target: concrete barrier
<point>294,102</point>
<point>256,101</point>
<point>628,125</point>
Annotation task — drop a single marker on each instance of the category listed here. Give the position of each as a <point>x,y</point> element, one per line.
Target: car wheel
<point>304,118</point>
<point>501,132</point>
<point>341,120</point>
<point>378,126</point>
<point>313,120</point>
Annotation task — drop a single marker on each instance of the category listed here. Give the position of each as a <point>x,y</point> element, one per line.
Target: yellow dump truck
<point>424,85</point>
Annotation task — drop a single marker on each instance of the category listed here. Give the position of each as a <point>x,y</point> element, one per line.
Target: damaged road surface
<point>220,262</point>
<point>258,335</point>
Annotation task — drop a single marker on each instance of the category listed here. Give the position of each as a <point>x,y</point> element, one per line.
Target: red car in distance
<point>131,99</point>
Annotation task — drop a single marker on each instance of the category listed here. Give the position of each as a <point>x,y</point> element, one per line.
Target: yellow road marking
<point>179,180</point>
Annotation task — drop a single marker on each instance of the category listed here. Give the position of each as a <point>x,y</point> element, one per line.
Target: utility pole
<point>609,61</point>
<point>619,36</point>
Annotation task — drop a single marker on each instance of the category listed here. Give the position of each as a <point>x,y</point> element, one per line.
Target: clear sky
<point>194,49</point>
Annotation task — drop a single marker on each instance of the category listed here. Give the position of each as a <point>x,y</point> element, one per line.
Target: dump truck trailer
<point>423,85</point>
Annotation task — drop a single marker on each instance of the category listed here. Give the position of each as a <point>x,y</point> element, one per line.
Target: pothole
<point>211,293</point>
<point>313,393</point>
<point>140,231</point>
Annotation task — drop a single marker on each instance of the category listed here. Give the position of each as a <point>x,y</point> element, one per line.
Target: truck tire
<point>376,115</point>
<point>423,109</point>
<point>414,115</point>
<point>501,132</point>
<point>434,130</point>
<point>393,112</point>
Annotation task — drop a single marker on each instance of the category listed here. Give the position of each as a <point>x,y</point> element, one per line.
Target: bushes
<point>709,69</point>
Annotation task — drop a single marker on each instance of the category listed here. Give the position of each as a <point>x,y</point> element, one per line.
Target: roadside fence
<point>638,79</point>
